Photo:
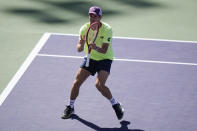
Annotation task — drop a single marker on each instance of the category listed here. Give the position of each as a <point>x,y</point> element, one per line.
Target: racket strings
<point>91,36</point>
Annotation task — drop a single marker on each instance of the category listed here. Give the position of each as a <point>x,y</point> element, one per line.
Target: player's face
<point>94,18</point>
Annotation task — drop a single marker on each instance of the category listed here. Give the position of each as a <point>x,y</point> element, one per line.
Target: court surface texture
<point>155,80</point>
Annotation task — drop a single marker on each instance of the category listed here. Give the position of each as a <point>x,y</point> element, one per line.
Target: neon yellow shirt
<point>104,36</point>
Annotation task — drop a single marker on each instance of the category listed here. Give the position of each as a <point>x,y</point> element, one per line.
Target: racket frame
<point>88,44</point>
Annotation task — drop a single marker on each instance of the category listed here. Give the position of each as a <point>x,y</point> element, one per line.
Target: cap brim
<point>92,13</point>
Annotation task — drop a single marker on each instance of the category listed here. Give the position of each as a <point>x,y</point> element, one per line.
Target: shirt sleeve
<point>108,36</point>
<point>81,31</point>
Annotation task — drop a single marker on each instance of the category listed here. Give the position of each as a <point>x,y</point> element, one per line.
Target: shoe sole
<point>67,117</point>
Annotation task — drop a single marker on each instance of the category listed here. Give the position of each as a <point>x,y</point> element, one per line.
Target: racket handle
<point>88,60</point>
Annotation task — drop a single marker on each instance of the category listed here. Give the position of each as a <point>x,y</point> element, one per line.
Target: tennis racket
<point>90,38</point>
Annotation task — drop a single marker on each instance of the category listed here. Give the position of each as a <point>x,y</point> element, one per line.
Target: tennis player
<point>101,58</point>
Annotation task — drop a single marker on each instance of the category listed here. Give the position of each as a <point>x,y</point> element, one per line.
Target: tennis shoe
<point>118,110</point>
<point>68,112</point>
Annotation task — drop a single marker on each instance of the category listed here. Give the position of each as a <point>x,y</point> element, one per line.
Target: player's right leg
<point>81,76</point>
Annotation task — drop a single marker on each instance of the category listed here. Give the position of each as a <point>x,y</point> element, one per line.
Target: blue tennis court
<point>155,80</point>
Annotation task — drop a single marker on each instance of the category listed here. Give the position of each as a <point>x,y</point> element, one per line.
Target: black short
<point>96,66</point>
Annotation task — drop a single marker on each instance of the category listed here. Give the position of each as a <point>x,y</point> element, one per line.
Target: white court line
<point>125,60</point>
<point>23,68</point>
<point>134,38</point>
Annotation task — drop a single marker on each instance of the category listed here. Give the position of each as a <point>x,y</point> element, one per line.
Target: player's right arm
<point>80,44</point>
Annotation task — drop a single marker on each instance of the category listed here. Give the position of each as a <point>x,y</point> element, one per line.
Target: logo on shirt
<point>109,39</point>
<point>102,37</point>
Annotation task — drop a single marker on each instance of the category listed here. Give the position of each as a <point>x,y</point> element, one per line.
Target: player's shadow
<point>124,125</point>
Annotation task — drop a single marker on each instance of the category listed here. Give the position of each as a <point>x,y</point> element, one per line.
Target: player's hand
<point>80,44</point>
<point>93,46</point>
<point>82,40</point>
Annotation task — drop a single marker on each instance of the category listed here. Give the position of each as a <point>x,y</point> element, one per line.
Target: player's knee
<point>76,84</point>
<point>99,86</point>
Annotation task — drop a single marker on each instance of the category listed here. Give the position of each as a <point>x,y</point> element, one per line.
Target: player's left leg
<point>105,91</point>
<point>100,84</point>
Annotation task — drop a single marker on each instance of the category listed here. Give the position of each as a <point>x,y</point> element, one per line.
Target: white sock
<point>113,101</point>
<point>72,103</point>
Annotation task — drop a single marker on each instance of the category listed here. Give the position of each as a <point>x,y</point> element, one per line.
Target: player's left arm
<point>103,49</point>
<point>106,42</point>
